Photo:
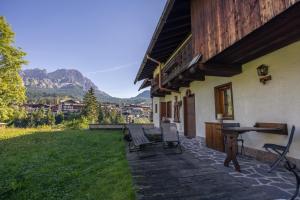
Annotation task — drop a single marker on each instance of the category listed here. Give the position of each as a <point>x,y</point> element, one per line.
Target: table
<point>231,134</point>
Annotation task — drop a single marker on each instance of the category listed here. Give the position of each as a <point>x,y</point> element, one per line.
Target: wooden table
<point>231,134</point>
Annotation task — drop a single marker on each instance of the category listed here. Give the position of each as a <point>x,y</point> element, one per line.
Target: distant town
<point>132,113</point>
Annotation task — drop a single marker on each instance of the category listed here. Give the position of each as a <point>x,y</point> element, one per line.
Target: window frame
<point>155,108</point>
<point>217,90</point>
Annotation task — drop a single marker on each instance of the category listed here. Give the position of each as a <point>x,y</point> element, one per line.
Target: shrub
<point>81,123</point>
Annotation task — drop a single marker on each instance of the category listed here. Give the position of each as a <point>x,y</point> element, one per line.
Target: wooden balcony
<point>178,63</point>
<point>179,71</point>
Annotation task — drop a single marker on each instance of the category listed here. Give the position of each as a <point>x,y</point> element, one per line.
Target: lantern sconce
<point>262,72</point>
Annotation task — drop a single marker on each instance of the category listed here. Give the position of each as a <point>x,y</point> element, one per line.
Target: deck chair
<point>138,138</point>
<point>170,136</point>
<point>280,150</point>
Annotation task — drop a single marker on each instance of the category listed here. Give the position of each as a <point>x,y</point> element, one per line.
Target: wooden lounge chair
<point>138,138</point>
<point>170,136</point>
<point>280,150</point>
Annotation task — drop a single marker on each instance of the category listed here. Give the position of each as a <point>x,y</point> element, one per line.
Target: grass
<point>41,164</point>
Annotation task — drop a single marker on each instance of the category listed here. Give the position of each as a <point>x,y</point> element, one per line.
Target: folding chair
<point>280,150</point>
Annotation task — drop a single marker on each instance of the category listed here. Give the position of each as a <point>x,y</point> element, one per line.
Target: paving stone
<point>198,173</point>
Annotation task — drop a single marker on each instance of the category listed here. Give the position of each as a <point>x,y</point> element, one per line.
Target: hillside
<point>68,83</point>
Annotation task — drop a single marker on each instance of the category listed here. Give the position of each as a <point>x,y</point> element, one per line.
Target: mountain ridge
<point>68,83</point>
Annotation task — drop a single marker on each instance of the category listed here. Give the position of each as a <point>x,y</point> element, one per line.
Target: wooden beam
<point>178,34</point>
<point>189,77</point>
<point>220,69</point>
<point>183,17</point>
<point>175,28</point>
<point>167,48</point>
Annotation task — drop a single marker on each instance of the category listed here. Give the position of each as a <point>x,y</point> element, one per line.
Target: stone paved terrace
<point>198,173</point>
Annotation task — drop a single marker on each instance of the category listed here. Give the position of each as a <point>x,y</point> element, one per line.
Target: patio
<point>198,173</point>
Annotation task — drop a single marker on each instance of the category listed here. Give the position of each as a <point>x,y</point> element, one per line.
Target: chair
<point>170,135</point>
<point>138,138</point>
<point>280,150</point>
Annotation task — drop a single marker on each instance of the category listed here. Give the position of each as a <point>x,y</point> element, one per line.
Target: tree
<point>39,117</point>
<point>100,114</point>
<point>50,119</point>
<point>12,91</point>
<point>90,110</point>
<point>59,118</point>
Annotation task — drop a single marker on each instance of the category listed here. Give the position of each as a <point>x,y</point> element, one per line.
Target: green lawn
<point>63,165</point>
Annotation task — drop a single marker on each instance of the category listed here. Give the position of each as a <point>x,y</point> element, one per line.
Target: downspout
<point>160,77</point>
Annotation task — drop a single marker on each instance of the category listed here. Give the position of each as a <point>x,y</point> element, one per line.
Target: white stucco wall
<point>156,100</point>
<point>277,101</point>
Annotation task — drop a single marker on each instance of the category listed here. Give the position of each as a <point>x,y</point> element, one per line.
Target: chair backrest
<point>135,129</point>
<point>291,138</point>
<point>169,132</point>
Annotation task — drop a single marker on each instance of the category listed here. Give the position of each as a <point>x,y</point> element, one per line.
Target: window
<point>169,109</point>
<point>155,108</point>
<point>223,101</point>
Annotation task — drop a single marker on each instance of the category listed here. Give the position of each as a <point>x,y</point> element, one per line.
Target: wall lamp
<point>262,72</point>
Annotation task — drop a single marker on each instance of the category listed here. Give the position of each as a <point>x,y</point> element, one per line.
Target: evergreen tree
<point>100,114</point>
<point>90,110</point>
<point>12,91</point>
<point>59,118</point>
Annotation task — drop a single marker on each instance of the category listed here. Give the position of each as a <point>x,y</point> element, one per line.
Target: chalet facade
<point>235,60</point>
<point>70,106</point>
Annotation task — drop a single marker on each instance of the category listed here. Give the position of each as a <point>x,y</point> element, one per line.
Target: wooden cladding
<point>224,101</point>
<point>214,137</point>
<point>218,24</point>
<point>179,62</point>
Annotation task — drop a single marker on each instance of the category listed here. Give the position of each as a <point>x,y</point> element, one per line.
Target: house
<point>70,106</point>
<point>235,60</point>
<point>134,111</point>
<point>32,107</point>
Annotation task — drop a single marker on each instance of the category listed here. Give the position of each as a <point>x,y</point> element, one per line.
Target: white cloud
<point>112,69</point>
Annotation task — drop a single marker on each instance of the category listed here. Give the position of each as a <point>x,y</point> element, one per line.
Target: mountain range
<point>68,83</point>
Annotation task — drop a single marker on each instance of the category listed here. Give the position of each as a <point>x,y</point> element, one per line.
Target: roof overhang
<point>173,28</point>
<point>280,31</point>
<point>146,83</point>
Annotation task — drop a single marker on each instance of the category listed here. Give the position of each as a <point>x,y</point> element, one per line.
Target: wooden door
<point>189,116</point>
<point>163,110</point>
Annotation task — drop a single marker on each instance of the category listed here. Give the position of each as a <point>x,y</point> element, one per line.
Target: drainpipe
<point>160,77</point>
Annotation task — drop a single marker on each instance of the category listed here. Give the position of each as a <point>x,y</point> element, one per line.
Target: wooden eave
<point>280,31</point>
<point>146,83</point>
<point>173,27</point>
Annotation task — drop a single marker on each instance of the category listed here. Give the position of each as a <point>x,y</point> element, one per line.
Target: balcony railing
<point>178,63</point>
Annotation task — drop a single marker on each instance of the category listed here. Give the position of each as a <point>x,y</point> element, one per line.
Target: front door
<point>189,116</point>
<point>163,111</point>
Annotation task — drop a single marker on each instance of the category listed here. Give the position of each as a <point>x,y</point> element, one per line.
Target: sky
<point>104,39</point>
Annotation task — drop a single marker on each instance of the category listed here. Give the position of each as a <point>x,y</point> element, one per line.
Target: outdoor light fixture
<point>262,72</point>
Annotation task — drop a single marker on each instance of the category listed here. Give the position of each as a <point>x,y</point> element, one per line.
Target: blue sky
<point>104,39</point>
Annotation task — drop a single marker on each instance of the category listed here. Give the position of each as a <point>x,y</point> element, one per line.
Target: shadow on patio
<point>198,173</point>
